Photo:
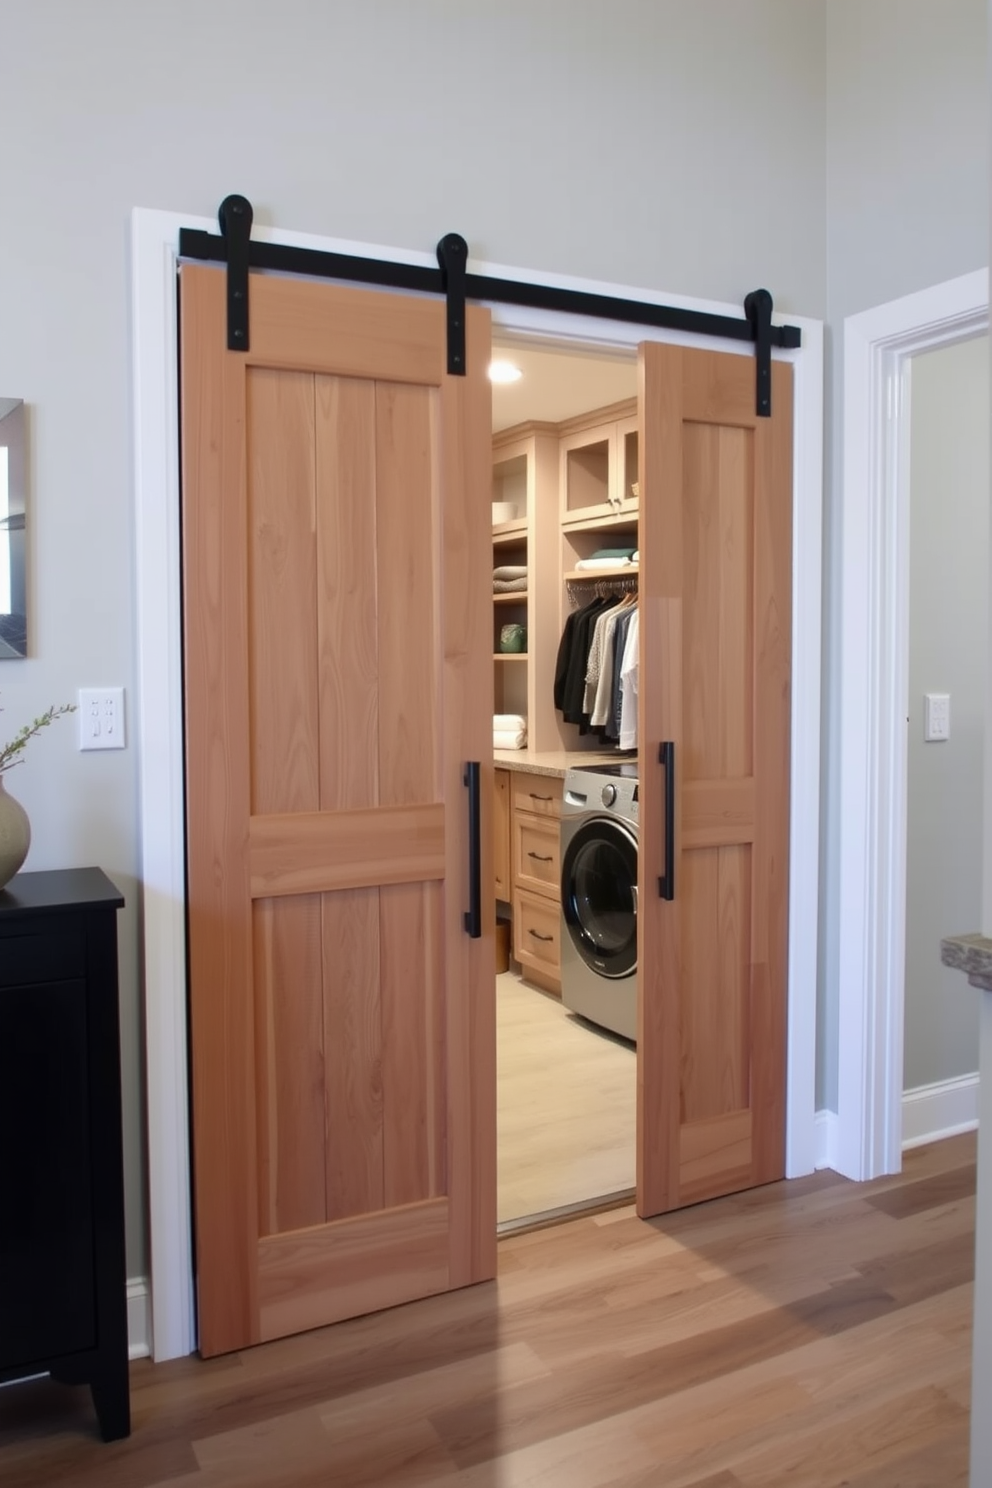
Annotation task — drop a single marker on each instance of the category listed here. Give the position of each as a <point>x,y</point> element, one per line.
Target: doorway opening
<point>565,514</point>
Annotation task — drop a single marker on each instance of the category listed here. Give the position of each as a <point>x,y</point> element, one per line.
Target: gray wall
<point>907,206</point>
<point>948,652</point>
<point>650,142</point>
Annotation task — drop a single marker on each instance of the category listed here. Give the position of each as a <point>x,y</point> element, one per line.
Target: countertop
<point>554,761</point>
<point>971,954</point>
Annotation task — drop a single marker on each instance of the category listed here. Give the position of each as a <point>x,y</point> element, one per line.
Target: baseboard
<point>139,1318</point>
<point>827,1132</point>
<point>931,1112</point>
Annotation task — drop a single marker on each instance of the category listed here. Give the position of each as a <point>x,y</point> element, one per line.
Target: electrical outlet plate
<point>101,718</point>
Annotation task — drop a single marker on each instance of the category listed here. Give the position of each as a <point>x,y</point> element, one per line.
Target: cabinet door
<point>715,647</point>
<point>338,676</point>
<point>47,1294</point>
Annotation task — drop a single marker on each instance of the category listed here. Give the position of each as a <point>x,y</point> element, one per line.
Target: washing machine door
<point>599,896</point>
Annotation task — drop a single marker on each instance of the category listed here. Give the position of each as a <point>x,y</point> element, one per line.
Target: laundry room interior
<point>565,565</point>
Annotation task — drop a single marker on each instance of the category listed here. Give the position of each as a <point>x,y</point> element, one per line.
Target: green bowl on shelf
<point>513,638</point>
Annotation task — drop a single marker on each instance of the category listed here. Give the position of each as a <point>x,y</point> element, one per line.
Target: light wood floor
<point>810,1334</point>
<point>566,1105</point>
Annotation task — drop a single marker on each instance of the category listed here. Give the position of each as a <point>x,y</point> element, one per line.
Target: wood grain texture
<point>215,556</point>
<point>335,1271</point>
<point>353,1086</point>
<point>360,334</point>
<point>281,591</point>
<point>310,852</point>
<point>413,996</point>
<point>347,632</point>
<point>407,593</point>
<point>797,1335</point>
<point>470,1008</point>
<point>716,629</point>
<point>289,1053</point>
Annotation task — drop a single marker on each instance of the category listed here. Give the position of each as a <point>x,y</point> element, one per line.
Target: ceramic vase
<point>15,834</point>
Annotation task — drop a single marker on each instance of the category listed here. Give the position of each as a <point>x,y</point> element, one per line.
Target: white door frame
<point>154,243</point>
<point>879,346</point>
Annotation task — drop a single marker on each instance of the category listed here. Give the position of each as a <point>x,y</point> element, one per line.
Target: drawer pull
<point>538,936</point>
<point>539,798</point>
<point>539,859</point>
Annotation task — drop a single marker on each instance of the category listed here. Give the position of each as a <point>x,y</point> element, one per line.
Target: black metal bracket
<point>758,309</point>
<point>235,217</point>
<point>452,257</point>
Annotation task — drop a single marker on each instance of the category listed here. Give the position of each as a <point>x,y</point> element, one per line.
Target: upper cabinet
<point>560,492</point>
<point>599,468</point>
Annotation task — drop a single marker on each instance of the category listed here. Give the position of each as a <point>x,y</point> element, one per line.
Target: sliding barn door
<point>715,675</point>
<point>338,677</point>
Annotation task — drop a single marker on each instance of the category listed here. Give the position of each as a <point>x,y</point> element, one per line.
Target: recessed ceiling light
<point>504,372</point>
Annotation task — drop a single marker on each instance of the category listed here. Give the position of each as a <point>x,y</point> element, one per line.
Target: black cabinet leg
<point>112,1401</point>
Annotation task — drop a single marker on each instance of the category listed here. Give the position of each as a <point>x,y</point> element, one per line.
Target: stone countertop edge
<point>971,954</point>
<point>551,762</point>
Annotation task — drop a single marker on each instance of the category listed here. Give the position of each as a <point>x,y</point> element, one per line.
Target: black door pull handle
<point>473,915</point>
<point>666,883</point>
<point>538,859</point>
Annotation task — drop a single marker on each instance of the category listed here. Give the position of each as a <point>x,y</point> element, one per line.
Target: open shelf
<point>591,575</point>
<point>509,656</point>
<point>517,597</point>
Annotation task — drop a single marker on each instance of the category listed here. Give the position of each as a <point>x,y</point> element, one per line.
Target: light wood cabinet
<point>599,475</point>
<point>536,900</point>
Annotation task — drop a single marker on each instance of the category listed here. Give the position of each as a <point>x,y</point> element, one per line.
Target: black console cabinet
<point>63,1301</point>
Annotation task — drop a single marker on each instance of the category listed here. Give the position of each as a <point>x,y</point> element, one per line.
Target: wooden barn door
<point>715,678</point>
<point>338,676</point>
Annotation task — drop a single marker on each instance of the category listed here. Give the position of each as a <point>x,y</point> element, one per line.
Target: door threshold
<point>545,1218</point>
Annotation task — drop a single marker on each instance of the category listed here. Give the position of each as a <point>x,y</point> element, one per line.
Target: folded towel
<point>508,739</point>
<point>635,556</point>
<point>510,586</point>
<point>510,571</point>
<point>613,552</point>
<point>512,722</point>
<point>594,563</point>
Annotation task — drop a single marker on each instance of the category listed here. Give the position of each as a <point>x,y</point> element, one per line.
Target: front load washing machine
<point>599,826</point>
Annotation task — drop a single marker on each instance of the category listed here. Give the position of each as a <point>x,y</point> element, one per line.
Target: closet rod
<point>578,586</point>
<point>755,326</point>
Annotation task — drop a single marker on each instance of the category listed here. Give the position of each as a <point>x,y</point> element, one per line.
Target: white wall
<point>907,206</point>
<point>649,142</point>
<point>948,652</point>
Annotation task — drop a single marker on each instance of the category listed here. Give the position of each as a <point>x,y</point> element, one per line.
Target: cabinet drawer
<point>540,794</point>
<point>536,854</point>
<point>537,932</point>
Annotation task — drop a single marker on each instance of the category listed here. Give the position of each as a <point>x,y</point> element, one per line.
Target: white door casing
<point>879,344</point>
<point>154,260</point>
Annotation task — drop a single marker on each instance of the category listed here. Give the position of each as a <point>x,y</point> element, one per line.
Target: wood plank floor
<point>566,1103</point>
<point>810,1334</point>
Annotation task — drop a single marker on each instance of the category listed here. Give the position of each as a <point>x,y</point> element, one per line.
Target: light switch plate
<point>936,716</point>
<point>101,718</point>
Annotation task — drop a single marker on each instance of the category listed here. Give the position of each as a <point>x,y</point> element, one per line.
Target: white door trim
<point>879,345</point>
<point>154,240</point>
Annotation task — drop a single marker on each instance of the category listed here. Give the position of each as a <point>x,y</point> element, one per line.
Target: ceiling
<point>558,384</point>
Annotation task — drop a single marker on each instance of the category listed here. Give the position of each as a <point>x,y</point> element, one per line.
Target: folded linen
<point>512,722</point>
<point>613,552</point>
<point>510,571</point>
<point>594,563</point>
<point>509,739</point>
<point>510,586</point>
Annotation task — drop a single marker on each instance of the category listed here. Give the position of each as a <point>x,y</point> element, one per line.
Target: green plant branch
<point>9,753</point>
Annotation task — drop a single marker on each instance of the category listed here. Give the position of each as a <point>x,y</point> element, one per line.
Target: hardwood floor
<point>566,1105</point>
<point>810,1334</point>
